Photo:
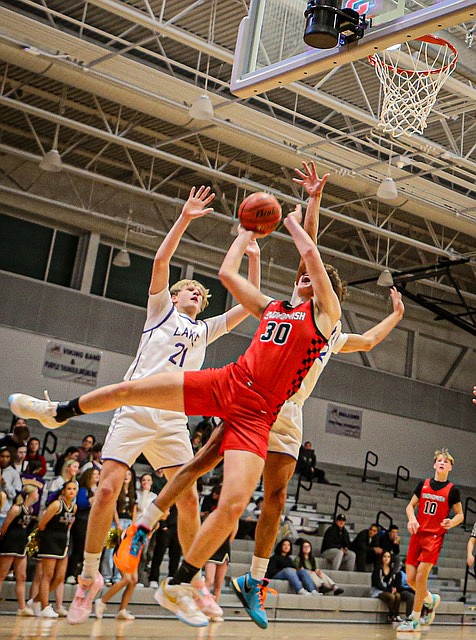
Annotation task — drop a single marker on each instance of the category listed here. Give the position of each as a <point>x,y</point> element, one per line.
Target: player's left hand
<point>397,302</point>
<point>309,179</point>
<point>197,203</point>
<point>446,523</point>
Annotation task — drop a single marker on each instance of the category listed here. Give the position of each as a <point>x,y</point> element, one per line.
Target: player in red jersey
<point>247,394</point>
<point>434,497</point>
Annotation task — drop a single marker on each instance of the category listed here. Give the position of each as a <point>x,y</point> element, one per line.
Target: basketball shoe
<point>409,625</point>
<point>252,594</point>
<point>206,602</point>
<point>82,604</point>
<point>129,552</point>
<point>28,407</point>
<point>179,598</point>
<point>428,618</point>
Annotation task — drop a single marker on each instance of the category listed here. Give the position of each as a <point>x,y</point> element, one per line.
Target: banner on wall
<point>344,421</point>
<point>71,363</point>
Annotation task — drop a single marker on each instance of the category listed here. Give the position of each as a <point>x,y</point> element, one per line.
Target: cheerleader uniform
<point>14,542</point>
<point>54,540</point>
<point>222,554</point>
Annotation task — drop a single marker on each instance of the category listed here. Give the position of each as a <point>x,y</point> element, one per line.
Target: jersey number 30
<point>277,333</point>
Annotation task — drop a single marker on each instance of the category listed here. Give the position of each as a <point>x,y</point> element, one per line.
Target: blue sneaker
<point>428,618</point>
<point>252,594</point>
<point>409,625</point>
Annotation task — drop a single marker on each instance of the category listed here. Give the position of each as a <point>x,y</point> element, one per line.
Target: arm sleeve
<point>418,489</point>
<point>454,496</point>
<point>158,305</point>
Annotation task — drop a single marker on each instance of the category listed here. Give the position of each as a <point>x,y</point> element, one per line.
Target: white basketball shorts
<point>286,433</point>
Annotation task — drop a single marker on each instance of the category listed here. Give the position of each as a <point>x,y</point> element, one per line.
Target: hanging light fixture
<point>51,161</point>
<point>388,189</point>
<point>202,108</point>
<point>385,279</point>
<point>122,257</point>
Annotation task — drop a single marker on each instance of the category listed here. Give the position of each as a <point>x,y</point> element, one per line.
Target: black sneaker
<point>338,591</point>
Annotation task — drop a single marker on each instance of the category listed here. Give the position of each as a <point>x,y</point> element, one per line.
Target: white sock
<point>150,517</point>
<point>259,567</point>
<point>90,565</point>
<point>415,615</point>
<point>428,598</point>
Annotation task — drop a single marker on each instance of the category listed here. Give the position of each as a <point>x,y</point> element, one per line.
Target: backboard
<point>270,50</point>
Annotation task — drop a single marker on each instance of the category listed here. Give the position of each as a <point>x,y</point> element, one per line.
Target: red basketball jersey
<point>283,349</point>
<point>433,507</point>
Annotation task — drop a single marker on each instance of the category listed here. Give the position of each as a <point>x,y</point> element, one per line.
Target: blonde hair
<point>182,284</point>
<point>445,453</point>
<point>26,490</point>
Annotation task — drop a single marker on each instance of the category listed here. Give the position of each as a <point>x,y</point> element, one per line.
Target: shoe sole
<point>170,606</point>
<point>236,588</point>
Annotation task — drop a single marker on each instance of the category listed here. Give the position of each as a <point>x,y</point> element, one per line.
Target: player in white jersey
<point>286,434</point>
<point>172,340</point>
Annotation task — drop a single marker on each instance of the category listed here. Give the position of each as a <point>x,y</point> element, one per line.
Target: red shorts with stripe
<point>424,547</point>
<point>248,411</point>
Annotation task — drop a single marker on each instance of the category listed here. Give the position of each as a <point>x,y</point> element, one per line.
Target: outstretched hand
<point>197,203</point>
<point>397,302</point>
<point>309,179</point>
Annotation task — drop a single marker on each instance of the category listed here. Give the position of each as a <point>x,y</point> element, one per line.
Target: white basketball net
<point>411,80</point>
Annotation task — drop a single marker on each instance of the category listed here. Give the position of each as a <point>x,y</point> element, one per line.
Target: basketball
<point>260,212</point>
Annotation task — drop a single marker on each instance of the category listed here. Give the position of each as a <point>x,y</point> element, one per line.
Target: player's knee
<point>106,494</point>
<point>232,508</point>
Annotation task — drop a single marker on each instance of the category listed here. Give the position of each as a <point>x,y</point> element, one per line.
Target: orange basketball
<point>260,212</point>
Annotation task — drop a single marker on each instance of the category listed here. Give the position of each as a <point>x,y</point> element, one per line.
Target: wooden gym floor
<point>14,628</point>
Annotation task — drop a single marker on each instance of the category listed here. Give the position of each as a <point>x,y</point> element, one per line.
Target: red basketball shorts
<point>424,547</point>
<point>248,411</point>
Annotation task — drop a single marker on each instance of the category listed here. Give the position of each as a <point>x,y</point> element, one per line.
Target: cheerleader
<point>13,540</point>
<point>55,525</point>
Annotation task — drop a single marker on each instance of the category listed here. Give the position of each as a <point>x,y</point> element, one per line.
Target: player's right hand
<point>413,526</point>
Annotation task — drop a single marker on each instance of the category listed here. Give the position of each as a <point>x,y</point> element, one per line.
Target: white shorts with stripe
<point>162,436</point>
<point>286,433</point>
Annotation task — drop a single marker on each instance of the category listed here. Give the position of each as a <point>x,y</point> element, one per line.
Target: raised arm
<point>195,207</point>
<point>380,331</point>
<point>314,186</point>
<point>244,291</point>
<point>328,308</point>
<point>238,313</point>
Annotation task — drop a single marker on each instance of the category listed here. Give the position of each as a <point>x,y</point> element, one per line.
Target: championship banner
<point>71,363</point>
<point>344,421</point>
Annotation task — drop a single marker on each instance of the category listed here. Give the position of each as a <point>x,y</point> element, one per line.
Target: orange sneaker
<point>129,552</point>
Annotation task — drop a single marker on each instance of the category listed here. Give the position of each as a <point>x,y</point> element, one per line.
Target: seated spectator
<point>281,567</point>
<point>33,453</point>
<point>85,450</point>
<point>31,477</point>
<point>196,442</point>
<point>307,464</point>
<point>68,474</point>
<point>248,520</point>
<point>95,460</point>
<point>210,501</point>
<point>390,541</point>
<point>367,548</point>
<point>206,426</point>
<point>384,586</point>
<point>10,482</point>
<point>71,453</point>
<point>306,560</point>
<point>19,459</point>
<point>158,481</point>
<point>407,595</point>
<point>336,546</point>
<point>18,436</point>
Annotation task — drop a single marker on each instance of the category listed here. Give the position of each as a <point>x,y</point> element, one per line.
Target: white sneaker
<point>205,601</point>
<point>140,585</point>
<point>153,584</point>
<point>28,407</point>
<point>62,612</point>
<point>35,606</point>
<point>48,612</point>
<point>124,614</point>
<point>26,612</point>
<point>70,580</point>
<point>178,598</point>
<point>99,608</point>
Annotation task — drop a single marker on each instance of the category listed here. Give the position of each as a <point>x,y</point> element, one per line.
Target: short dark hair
<point>90,435</point>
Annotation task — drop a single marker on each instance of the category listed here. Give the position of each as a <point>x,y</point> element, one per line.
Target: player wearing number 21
<point>434,498</point>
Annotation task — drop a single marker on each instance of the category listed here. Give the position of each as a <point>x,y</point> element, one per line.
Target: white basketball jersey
<point>171,341</point>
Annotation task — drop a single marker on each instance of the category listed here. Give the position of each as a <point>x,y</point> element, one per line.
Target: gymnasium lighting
<point>51,162</point>
<point>202,108</point>
<point>387,189</point>
<point>385,279</point>
<point>122,257</point>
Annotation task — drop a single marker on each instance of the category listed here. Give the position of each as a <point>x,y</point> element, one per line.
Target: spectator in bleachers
<point>158,481</point>
<point>390,541</point>
<point>144,498</point>
<point>68,474</point>
<point>18,436</point>
<point>407,595</point>
<point>71,453</point>
<point>32,476</point>
<point>19,459</point>
<point>281,567</point>
<point>95,460</point>
<point>85,450</point>
<point>307,464</point>
<point>196,442</point>
<point>306,560</point>
<point>367,548</point>
<point>165,537</point>
<point>206,426</point>
<point>10,482</point>
<point>336,545</point>
<point>33,453</point>
<point>470,546</point>
<point>384,586</point>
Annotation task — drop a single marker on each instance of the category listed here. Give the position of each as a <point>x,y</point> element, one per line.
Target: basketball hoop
<point>411,81</point>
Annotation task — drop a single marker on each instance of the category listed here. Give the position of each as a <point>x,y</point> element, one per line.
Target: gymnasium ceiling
<point>114,81</point>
